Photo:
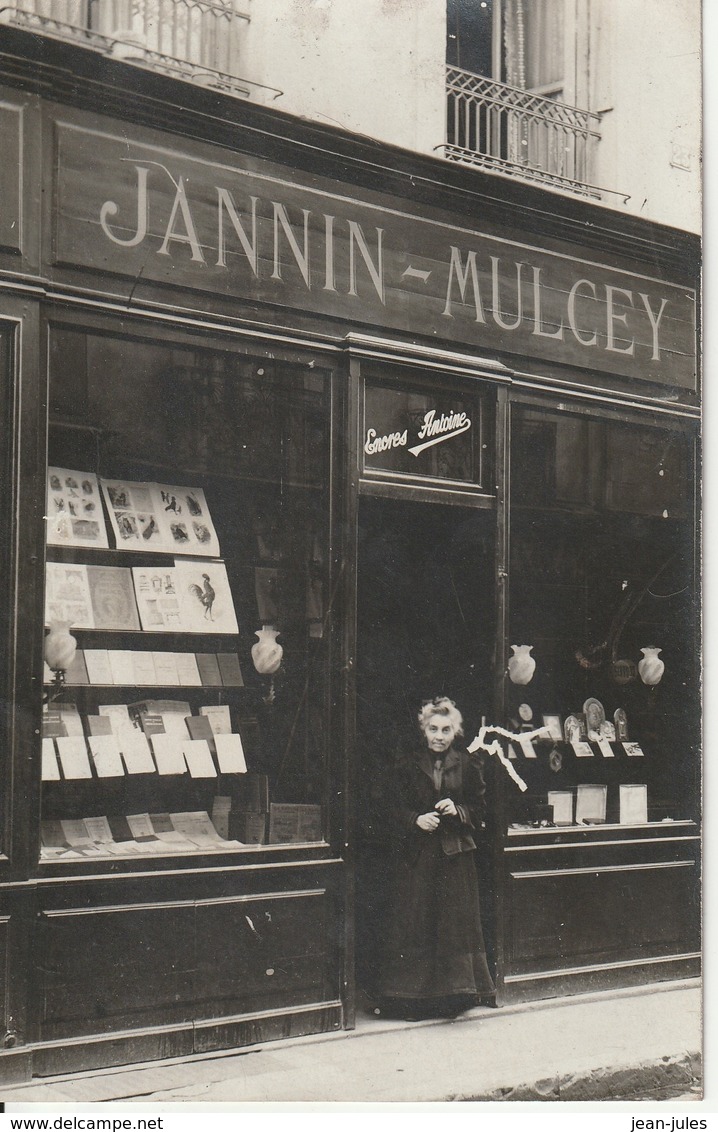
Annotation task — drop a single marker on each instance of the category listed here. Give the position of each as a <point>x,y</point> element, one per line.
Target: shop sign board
<point>11,125</point>
<point>210,220</point>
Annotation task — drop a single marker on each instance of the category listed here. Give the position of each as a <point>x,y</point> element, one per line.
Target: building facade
<point>309,423</point>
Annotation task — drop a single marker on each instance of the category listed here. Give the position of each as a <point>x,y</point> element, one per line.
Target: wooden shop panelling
<point>263,953</point>
<point>115,967</point>
<point>598,915</point>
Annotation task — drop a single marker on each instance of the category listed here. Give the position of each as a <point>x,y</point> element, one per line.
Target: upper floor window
<point>517,71</point>
<point>519,42</point>
<point>200,40</point>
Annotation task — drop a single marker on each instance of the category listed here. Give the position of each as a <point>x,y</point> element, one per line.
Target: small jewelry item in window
<point>595,718</point>
<point>621,724</point>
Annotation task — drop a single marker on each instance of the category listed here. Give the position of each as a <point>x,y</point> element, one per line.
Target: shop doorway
<point>426,622</point>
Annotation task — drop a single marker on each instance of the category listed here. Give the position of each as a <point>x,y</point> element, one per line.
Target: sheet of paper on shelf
<point>168,754</point>
<point>175,725</point>
<point>105,753</point>
<point>174,841</point>
<point>70,717</point>
<point>197,827</point>
<point>591,802</point>
<point>582,749</point>
<point>230,754</point>
<point>67,595</point>
<point>98,829</point>
<point>52,835</point>
<point>205,596</point>
<point>77,671</point>
<point>229,670</point>
<point>199,758</point>
<point>633,804</point>
<point>73,757</point>
<point>166,669</point>
<point>50,769</point>
<point>293,822</point>
<point>113,597</point>
<point>122,666</point>
<point>98,725</point>
<point>140,825</point>
<point>136,753</point>
<point>219,718</point>
<point>158,601</point>
<point>75,832</point>
<point>98,666</point>
<point>187,670</point>
<point>74,509</point>
<point>208,669</point>
<point>187,525</point>
<point>199,727</point>
<point>136,524</point>
<point>605,747</point>
<point>144,669</point>
<point>52,724</point>
<point>633,750</point>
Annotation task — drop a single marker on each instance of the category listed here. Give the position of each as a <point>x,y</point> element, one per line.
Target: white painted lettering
<point>225,203</point>
<point>538,328</point>
<point>591,339</point>
<point>189,236</point>
<point>655,320</point>
<point>376,270</point>
<point>302,257</point>
<point>109,208</point>
<point>462,272</point>
<point>496,297</point>
<point>447,422</point>
<point>612,318</point>
<point>374,443</point>
<point>329,280</point>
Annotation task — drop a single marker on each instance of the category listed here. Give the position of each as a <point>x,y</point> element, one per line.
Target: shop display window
<point>602,599</point>
<point>6,544</point>
<point>187,602</point>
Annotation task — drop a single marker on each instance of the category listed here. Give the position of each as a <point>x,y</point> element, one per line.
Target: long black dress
<point>432,954</point>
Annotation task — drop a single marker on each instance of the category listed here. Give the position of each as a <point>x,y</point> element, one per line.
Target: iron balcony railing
<point>502,128</point>
<point>199,40</point>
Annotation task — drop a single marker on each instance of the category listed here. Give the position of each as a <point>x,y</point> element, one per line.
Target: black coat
<point>433,944</point>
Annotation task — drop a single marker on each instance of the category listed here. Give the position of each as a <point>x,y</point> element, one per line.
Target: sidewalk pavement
<point>639,1044</point>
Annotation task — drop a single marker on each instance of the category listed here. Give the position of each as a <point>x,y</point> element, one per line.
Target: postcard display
<point>153,771</point>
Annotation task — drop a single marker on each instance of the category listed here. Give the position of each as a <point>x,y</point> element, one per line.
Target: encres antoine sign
<point>217,222</point>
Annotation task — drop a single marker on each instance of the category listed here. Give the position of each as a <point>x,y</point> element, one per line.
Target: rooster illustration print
<point>205,595</point>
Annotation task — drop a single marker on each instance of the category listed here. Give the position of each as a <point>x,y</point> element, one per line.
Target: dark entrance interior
<point>425,627</point>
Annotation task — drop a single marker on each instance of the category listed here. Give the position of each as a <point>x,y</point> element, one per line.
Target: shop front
<point>305,430</point>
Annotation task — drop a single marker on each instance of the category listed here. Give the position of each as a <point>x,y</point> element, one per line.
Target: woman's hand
<point>428,822</point>
<point>446,807</point>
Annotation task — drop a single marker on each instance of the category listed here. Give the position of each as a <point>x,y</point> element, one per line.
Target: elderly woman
<point>433,962</point>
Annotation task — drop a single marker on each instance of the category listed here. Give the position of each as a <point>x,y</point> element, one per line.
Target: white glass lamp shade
<point>651,668</point>
<point>521,665</point>
<point>60,646</point>
<point>267,653</point>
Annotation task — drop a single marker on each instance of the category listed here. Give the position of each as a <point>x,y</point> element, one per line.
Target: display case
<point>187,518</point>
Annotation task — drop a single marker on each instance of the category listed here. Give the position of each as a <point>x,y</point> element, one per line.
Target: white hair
<point>441,705</point>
